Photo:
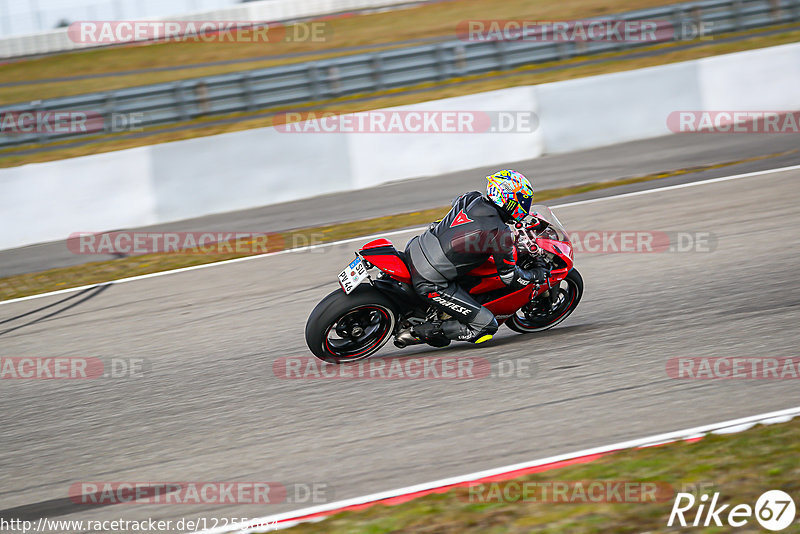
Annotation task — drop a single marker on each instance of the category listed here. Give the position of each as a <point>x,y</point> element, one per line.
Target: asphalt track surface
<point>209,407</point>
<point>636,158</point>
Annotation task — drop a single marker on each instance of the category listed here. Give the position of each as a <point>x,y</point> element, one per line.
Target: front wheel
<point>543,313</point>
<point>346,328</point>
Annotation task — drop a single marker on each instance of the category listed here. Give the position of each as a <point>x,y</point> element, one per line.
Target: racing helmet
<point>512,192</point>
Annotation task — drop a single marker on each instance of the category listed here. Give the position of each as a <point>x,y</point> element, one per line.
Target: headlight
<point>549,233</point>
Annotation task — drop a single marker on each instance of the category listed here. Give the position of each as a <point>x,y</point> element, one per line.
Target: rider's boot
<point>431,333</point>
<point>456,330</point>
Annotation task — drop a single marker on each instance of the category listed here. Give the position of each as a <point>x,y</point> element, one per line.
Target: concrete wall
<point>183,179</point>
<point>615,108</point>
<point>381,157</point>
<point>763,79</point>
<point>245,169</point>
<point>47,201</point>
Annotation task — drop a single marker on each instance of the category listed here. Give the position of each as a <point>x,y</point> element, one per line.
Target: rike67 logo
<point>774,510</point>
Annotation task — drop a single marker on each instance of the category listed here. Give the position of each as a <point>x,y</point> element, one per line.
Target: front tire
<point>540,315</point>
<point>347,328</point>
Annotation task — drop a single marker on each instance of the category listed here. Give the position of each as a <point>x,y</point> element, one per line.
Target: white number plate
<point>354,274</point>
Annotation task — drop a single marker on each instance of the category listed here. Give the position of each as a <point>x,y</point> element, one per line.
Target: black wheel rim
<point>358,331</point>
<point>542,312</point>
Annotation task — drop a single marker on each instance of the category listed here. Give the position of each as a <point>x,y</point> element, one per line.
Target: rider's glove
<point>523,277</point>
<point>536,274</point>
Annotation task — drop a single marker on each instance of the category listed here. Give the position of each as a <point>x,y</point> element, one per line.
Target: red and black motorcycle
<point>354,322</point>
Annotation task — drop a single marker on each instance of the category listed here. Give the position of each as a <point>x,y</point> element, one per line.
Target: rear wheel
<point>543,313</point>
<point>345,328</point>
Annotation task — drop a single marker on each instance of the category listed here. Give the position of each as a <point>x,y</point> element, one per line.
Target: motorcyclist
<point>475,228</point>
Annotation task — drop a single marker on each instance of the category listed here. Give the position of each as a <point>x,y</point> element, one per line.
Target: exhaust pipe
<point>405,338</point>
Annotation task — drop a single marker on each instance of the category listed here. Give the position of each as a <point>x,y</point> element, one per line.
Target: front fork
<point>551,295</point>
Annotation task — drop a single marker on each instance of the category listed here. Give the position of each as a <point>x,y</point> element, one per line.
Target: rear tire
<point>537,318</point>
<point>347,328</point>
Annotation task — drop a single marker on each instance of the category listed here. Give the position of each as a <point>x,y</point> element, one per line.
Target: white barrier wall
<point>615,108</point>
<point>767,79</point>
<point>48,201</point>
<point>245,169</point>
<point>240,170</point>
<point>385,157</point>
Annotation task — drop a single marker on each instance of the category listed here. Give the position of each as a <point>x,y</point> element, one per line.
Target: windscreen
<point>552,227</point>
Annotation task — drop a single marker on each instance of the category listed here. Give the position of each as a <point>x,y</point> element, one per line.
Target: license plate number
<point>354,274</point>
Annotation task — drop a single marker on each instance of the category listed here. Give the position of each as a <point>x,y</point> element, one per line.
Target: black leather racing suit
<point>473,229</point>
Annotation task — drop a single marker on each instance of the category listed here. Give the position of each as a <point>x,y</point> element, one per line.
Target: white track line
<point>682,186</point>
<point>288,519</point>
<point>395,232</point>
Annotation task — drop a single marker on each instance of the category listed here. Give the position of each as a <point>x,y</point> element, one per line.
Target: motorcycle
<point>354,322</point>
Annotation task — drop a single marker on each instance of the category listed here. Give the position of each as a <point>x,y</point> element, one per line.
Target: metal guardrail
<point>251,90</point>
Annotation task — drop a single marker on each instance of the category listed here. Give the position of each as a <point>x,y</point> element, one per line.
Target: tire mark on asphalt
<point>92,292</point>
<point>41,308</point>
